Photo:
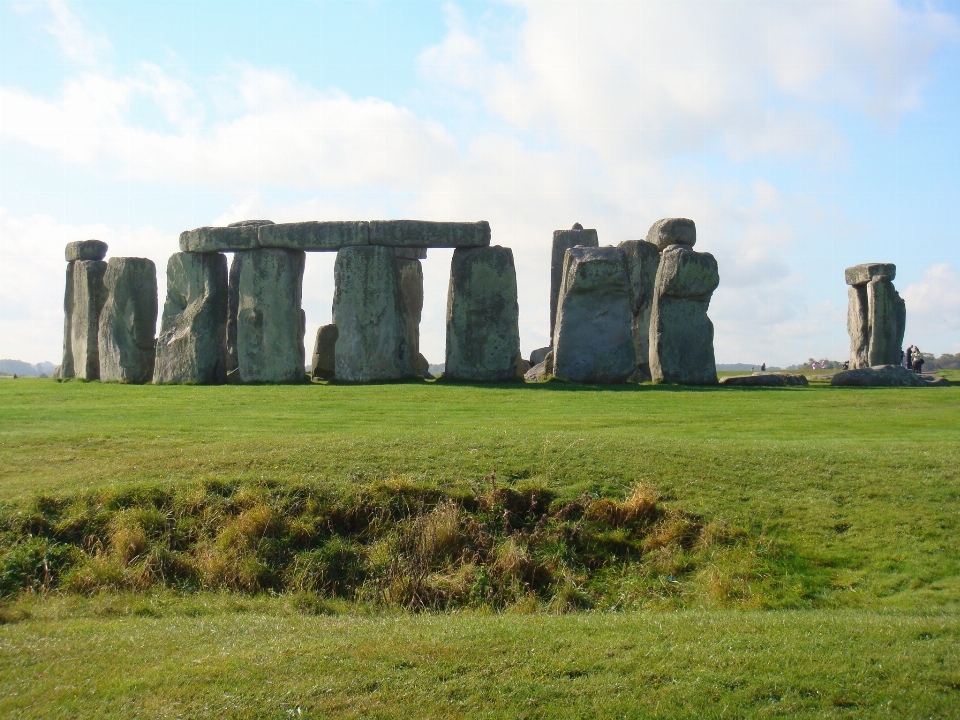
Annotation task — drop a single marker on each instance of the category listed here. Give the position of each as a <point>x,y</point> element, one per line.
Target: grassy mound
<point>390,545</point>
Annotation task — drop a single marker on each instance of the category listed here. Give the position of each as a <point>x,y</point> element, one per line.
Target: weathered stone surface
<point>563,240</point>
<point>85,250</point>
<point>928,380</point>
<point>879,376</point>
<point>269,320</point>
<point>423,367</point>
<point>236,236</point>
<point>681,334</point>
<point>87,303</point>
<point>191,346</point>
<point>862,274</point>
<point>314,235</point>
<point>65,368</point>
<point>643,260</point>
<point>539,355</point>
<point>128,321</point>
<point>523,367</point>
<point>541,371</point>
<point>886,314</point>
<point>593,342</point>
<point>483,332</point>
<point>233,305</point>
<point>858,326</point>
<point>672,231</point>
<point>411,290</point>
<point>765,379</point>
<point>416,253</point>
<point>424,233</point>
<point>324,363</point>
<point>374,340</point>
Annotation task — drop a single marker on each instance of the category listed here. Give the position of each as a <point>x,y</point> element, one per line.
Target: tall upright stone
<point>681,333</point>
<point>266,287</point>
<point>373,331</point>
<point>85,250</point>
<point>563,240</point>
<point>642,260</point>
<point>483,332</point>
<point>323,364</point>
<point>876,315</point>
<point>87,300</point>
<point>128,321</point>
<point>191,347</point>
<point>411,290</point>
<point>593,340</point>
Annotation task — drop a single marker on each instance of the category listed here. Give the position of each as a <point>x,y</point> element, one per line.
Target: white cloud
<point>933,310</point>
<point>77,42</point>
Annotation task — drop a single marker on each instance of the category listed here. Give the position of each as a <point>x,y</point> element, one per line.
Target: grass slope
<point>859,487</point>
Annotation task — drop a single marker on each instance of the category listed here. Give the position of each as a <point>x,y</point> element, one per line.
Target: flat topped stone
<point>862,274</point>
<point>315,235</point>
<point>672,231</point>
<point>250,223</point>
<point>563,240</point>
<point>425,233</point>
<point>237,236</point>
<point>86,250</point>
<point>685,273</point>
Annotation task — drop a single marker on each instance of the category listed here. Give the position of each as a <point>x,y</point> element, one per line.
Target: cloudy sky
<point>802,137</point>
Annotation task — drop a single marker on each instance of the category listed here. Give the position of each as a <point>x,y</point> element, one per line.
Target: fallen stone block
<point>563,240</point>
<point>323,365</point>
<point>681,333</point>
<point>128,321</point>
<point>427,234</point>
<point>236,236</point>
<point>191,346</point>
<point>85,250</point>
<point>483,332</point>
<point>672,231</point>
<point>374,342</point>
<point>879,376</point>
<point>542,371</point>
<point>268,285</point>
<point>593,340</point>
<point>765,379</point>
<point>314,235</point>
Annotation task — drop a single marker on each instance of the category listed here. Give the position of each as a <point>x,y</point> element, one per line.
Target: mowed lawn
<point>861,486</point>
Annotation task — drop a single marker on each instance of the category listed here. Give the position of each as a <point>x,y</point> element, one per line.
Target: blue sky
<point>802,137</point>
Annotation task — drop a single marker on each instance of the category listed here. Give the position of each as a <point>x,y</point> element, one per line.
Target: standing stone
<point>681,334</point>
<point>74,251</point>
<point>191,347</point>
<point>483,332</point>
<point>233,305</point>
<point>876,315</point>
<point>373,341</point>
<point>593,342</point>
<point>563,240</point>
<point>323,364</point>
<point>128,322</point>
<point>66,363</point>
<point>267,285</point>
<point>87,299</point>
<point>411,290</point>
<point>642,260</point>
<point>858,326</point>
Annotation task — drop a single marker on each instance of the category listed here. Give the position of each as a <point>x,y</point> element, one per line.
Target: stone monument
<point>876,315</point>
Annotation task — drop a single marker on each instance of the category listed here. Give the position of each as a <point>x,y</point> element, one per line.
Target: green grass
<point>851,493</point>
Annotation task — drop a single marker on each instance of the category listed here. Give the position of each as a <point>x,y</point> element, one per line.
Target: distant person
<point>901,358</point>
<point>14,376</point>
<point>846,364</point>
<point>910,350</point>
<point>763,367</point>
<point>917,361</point>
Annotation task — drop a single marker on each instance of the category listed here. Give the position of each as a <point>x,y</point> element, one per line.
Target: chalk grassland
<point>841,507</point>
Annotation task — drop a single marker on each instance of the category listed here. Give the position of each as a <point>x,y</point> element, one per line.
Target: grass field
<point>833,592</point>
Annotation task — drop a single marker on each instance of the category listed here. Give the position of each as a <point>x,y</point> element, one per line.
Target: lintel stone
<point>85,250</point>
<point>315,235</point>
<point>425,233</point>
<point>862,274</point>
